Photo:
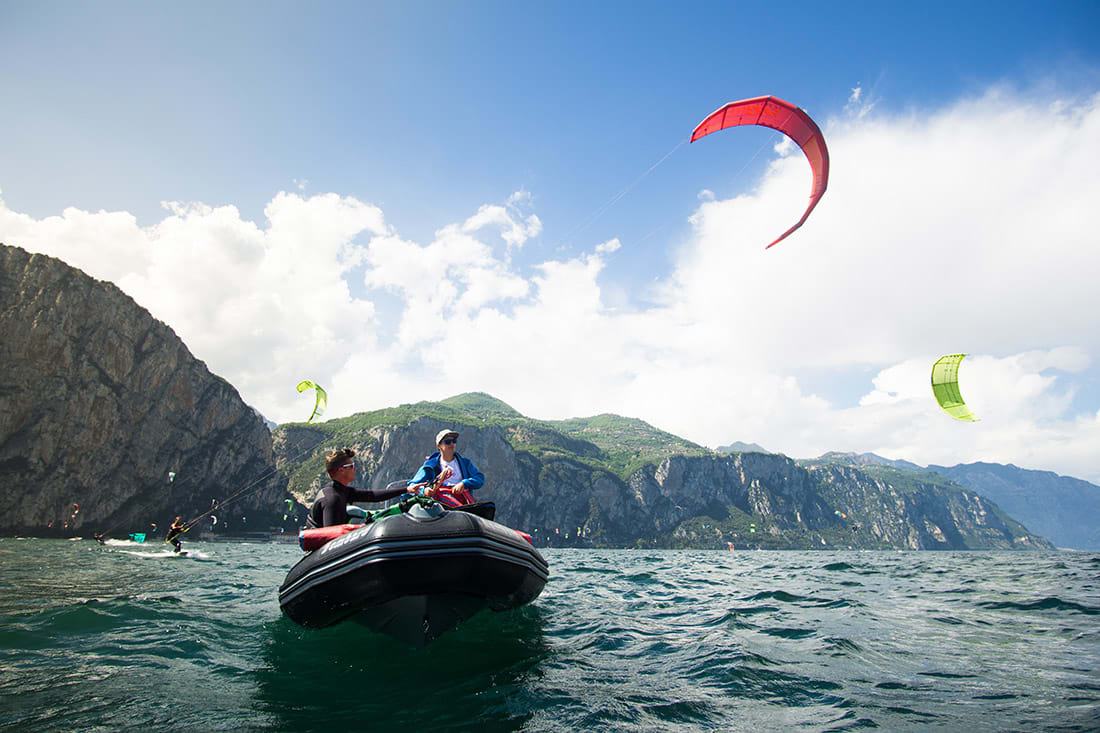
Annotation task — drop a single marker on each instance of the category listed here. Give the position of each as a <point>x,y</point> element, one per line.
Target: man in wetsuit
<point>174,533</point>
<point>331,505</point>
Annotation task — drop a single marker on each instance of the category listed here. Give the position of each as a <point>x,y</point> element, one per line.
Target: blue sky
<point>446,169</point>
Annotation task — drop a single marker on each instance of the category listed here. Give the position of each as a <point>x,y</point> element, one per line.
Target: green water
<point>128,637</point>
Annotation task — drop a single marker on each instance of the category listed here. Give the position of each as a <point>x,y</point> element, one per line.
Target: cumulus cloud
<point>611,245</point>
<point>961,229</point>
<point>261,306</point>
<point>515,228</point>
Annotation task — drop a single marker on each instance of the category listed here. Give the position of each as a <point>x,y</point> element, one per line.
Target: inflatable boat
<point>414,573</point>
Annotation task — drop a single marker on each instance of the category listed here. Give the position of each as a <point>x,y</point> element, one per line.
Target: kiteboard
<point>168,554</point>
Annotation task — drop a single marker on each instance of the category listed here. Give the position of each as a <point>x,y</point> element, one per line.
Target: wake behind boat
<point>412,575</point>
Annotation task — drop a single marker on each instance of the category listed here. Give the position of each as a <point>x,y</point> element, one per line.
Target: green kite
<point>945,385</point>
<point>322,398</point>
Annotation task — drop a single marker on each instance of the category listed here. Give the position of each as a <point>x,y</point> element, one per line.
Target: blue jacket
<point>472,478</point>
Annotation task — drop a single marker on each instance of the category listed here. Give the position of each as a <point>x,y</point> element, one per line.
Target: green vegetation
<point>909,482</point>
<point>756,531</point>
<point>620,446</point>
<point>481,405</point>
<point>311,442</point>
<point>625,443</point>
<point>905,481</point>
<point>610,443</point>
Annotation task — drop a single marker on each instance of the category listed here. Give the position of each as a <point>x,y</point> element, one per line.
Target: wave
<point>1050,603</point>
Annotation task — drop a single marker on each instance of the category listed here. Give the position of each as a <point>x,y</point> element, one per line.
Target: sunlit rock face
<point>566,498</point>
<point>100,402</point>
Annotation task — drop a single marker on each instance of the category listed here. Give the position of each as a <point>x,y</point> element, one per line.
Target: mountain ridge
<point>106,418</point>
<point>579,482</point>
<point>100,401</point>
<point>1064,509</point>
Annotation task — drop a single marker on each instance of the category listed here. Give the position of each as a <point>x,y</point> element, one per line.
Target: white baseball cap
<point>444,434</point>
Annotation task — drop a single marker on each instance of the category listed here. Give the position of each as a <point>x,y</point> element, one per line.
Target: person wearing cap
<point>331,504</point>
<point>448,477</point>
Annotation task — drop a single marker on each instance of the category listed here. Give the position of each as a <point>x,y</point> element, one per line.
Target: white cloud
<point>1022,403</point>
<point>515,229</point>
<point>860,103</point>
<point>611,245</point>
<point>965,229</point>
<point>263,307</point>
<point>785,146</point>
<point>943,233</point>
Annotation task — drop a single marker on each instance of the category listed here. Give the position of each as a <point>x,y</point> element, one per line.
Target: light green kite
<point>322,398</point>
<point>945,385</point>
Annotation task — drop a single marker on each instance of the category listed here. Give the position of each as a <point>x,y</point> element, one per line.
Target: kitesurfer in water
<point>174,533</point>
<point>331,504</point>
<point>446,476</point>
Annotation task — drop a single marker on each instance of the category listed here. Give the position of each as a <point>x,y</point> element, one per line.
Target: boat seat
<point>485,509</point>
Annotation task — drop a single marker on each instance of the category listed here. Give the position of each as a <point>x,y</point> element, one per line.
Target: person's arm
<point>475,480</point>
<point>381,495</point>
<point>424,476</point>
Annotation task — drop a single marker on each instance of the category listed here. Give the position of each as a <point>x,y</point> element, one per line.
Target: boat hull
<point>414,576</point>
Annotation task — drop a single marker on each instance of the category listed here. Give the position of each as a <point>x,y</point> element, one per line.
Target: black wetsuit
<point>174,536</point>
<point>331,505</point>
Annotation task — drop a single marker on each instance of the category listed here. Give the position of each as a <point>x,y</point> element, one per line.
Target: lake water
<point>126,636</point>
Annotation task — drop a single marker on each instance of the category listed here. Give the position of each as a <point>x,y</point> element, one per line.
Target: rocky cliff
<point>1065,510</point>
<point>560,491</point>
<point>100,404</point>
<point>107,421</point>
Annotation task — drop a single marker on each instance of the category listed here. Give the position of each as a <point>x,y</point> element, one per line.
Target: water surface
<point>127,636</point>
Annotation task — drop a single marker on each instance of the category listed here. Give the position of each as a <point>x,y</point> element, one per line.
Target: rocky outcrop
<point>1063,509</point>
<point>99,402</point>
<point>920,515</point>
<point>747,499</point>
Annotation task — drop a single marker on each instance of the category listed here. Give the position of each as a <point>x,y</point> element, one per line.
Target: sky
<point>404,201</point>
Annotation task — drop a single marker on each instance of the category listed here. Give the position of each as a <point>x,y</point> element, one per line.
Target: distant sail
<point>945,386</point>
<point>320,403</point>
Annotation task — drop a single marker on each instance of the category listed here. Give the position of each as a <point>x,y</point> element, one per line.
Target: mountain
<point>627,443</point>
<point>1065,510</point>
<point>867,459</point>
<point>271,424</point>
<point>482,406</point>
<point>738,447</point>
<point>106,418</point>
<point>611,481</point>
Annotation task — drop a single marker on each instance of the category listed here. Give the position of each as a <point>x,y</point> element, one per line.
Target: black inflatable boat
<point>414,575</point>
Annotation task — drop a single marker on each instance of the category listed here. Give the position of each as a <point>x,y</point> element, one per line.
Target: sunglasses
<point>448,441</point>
<point>348,465</point>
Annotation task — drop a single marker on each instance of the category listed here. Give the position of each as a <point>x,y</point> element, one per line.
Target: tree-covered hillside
<point>612,481</point>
